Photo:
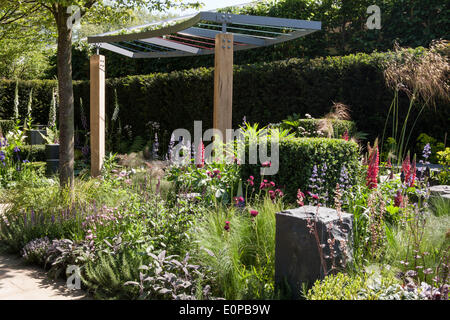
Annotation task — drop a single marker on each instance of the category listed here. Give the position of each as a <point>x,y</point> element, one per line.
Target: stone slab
<point>297,258</point>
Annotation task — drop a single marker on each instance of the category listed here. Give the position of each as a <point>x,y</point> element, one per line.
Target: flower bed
<point>140,233</point>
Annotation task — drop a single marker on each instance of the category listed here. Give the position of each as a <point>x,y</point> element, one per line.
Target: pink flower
<point>227,225</point>
<point>409,171</point>
<point>201,155</point>
<point>412,173</point>
<point>122,174</point>
<point>266,164</point>
<point>272,194</point>
<point>314,196</point>
<point>254,213</point>
<point>279,192</point>
<point>238,200</point>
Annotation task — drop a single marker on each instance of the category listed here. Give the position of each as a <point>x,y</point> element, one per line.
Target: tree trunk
<point>66,99</point>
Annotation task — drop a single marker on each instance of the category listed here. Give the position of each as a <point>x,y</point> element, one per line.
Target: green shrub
<point>298,157</point>
<point>33,153</point>
<point>6,126</point>
<point>310,127</point>
<point>444,160</point>
<point>363,286</point>
<point>436,146</point>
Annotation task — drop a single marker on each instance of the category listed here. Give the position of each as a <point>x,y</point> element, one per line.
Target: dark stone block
<point>35,137</point>
<point>297,258</point>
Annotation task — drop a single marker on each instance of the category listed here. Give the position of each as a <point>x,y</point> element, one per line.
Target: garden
<point>363,134</point>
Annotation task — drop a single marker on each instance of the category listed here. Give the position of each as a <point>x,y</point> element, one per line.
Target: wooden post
<point>223,83</point>
<point>97,113</point>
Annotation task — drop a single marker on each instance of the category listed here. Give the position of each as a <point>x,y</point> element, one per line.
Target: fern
<point>106,276</point>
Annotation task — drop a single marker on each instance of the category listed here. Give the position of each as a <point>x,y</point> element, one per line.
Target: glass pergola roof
<point>195,35</point>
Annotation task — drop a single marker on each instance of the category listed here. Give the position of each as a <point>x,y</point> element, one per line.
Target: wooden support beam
<point>223,83</point>
<point>97,113</point>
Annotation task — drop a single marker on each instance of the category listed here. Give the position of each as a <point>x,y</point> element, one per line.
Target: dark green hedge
<point>42,96</point>
<point>298,157</point>
<point>6,126</point>
<point>35,153</point>
<point>264,93</point>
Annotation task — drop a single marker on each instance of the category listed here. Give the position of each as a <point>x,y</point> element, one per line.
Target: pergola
<point>203,33</point>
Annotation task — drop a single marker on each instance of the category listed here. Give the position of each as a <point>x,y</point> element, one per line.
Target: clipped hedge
<point>264,93</point>
<point>34,153</point>
<point>6,126</point>
<point>298,157</point>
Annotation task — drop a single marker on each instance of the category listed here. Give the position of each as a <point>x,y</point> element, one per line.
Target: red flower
<point>398,199</point>
<point>372,171</point>
<point>227,225</point>
<point>254,213</point>
<point>300,198</point>
<point>345,136</point>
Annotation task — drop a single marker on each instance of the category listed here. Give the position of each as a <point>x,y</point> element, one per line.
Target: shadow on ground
<point>19,281</point>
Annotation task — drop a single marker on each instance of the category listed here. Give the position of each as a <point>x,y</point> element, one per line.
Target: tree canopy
<point>47,16</point>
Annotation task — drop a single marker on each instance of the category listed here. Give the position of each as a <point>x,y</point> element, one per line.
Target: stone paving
<point>19,281</point>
